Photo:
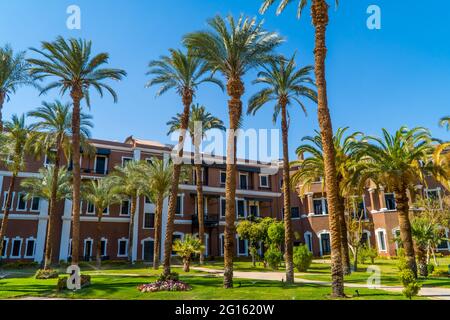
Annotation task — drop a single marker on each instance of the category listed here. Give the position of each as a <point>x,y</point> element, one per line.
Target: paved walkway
<point>429,292</point>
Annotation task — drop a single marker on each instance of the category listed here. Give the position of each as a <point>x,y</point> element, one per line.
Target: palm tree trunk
<point>6,211</point>
<point>289,233</point>
<point>319,13</point>
<point>235,89</point>
<point>98,239</point>
<point>346,268</point>
<point>157,235</point>
<point>76,95</point>
<point>2,100</point>
<point>131,231</point>
<point>401,199</point>
<point>422,258</point>
<point>52,219</point>
<point>187,100</point>
<point>200,209</point>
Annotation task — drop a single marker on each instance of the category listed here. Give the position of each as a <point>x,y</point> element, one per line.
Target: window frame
<point>123,239</point>
<point>261,185</point>
<point>19,194</point>
<point>25,255</point>
<point>11,256</point>
<point>106,164</point>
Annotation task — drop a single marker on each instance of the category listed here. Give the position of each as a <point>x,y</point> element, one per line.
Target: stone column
<point>136,157</point>
<point>41,231</point>
<point>65,231</point>
<point>372,199</point>
<point>310,203</point>
<point>382,199</point>
<point>165,213</point>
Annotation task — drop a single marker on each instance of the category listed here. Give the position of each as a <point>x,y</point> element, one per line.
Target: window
<point>30,247</point>
<point>433,194</point>
<point>243,181</point>
<point>149,160</point>
<point>147,200</point>
<point>122,248</point>
<point>35,201</point>
<point>101,163</point>
<point>222,244</point>
<point>5,198</point>
<point>381,237</point>
<point>16,248</point>
<point>223,207</point>
<point>241,247</point>
<point>149,220</point>
<point>390,201</point>
<point>87,249</point>
<point>308,241</point>
<point>318,206</point>
<point>125,207</point>
<point>240,208</point>
<point>202,175</point>
<point>365,241</point>
<point>21,202</point>
<point>125,160</point>
<point>264,180</point>
<point>103,243</point>
<point>444,244</point>
<point>5,247</point>
<point>175,237</point>
<point>90,208</point>
<point>295,212</point>
<point>179,207</point>
<point>254,209</point>
<point>325,246</point>
<point>223,177</point>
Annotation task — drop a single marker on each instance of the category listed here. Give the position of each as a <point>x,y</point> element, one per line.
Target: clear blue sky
<point>399,75</point>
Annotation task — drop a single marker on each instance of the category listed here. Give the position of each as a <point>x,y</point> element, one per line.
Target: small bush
<point>372,254</point>
<point>62,282</point>
<point>302,258</point>
<point>273,256</point>
<point>20,265</point>
<point>411,287</point>
<point>173,276</point>
<point>430,268</point>
<point>113,263</point>
<point>168,285</point>
<point>366,253</point>
<point>44,274</point>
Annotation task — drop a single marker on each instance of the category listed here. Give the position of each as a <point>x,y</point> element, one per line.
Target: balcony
<point>211,220</point>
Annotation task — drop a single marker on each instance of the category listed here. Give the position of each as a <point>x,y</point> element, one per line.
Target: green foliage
<point>430,268</point>
<point>46,274</point>
<point>410,285</point>
<point>174,276</point>
<point>366,253</point>
<point>275,233</point>
<point>302,258</point>
<point>19,265</point>
<point>187,247</point>
<point>273,256</point>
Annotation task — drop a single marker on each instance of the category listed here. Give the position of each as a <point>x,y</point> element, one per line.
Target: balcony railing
<point>210,220</point>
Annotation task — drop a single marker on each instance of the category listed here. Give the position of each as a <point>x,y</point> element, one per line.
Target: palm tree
<point>184,73</point>
<point>187,247</point>
<point>159,181</point>
<point>232,50</point>
<point>76,71</point>
<point>445,122</point>
<point>101,193</point>
<point>312,168</point>
<point>16,146</point>
<point>397,162</point>
<point>200,121</point>
<point>13,74</point>
<point>286,85</point>
<point>129,180</point>
<point>423,233</point>
<point>44,187</point>
<point>51,135</point>
<point>319,15</point>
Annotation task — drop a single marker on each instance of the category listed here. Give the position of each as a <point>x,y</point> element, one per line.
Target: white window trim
<point>369,234</point>
<point>308,243</point>
<point>87,208</point>
<point>205,241</point>
<point>394,234</point>
<point>18,201</point>
<point>69,248</point>
<point>377,231</point>
<point>5,247</point>
<point>39,204</point>
<point>12,247</point>
<point>245,208</point>
<point>438,190</point>
<point>126,247</point>
<point>95,164</point>
<point>129,208</point>
<point>106,247</point>
<point>222,243</point>
<point>177,233</point>
<point>260,180</point>
<point>237,247</point>
<point>448,242</point>
<point>149,239</point>
<point>127,158</point>
<point>181,205</point>
<point>222,214</point>
<point>220,177</point>
<point>246,178</point>
<point>143,221</point>
<point>26,246</point>
<point>194,175</point>
<point>5,195</point>
<point>319,234</point>
<point>84,246</point>
<point>257,206</point>
<point>388,193</point>
<point>324,206</point>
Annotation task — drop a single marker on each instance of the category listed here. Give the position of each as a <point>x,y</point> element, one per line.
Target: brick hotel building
<point>257,193</point>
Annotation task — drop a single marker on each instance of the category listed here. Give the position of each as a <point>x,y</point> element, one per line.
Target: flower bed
<point>167,285</point>
<point>62,282</point>
<point>44,274</point>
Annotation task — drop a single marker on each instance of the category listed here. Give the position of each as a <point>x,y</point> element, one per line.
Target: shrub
<point>118,263</point>
<point>302,258</point>
<point>372,254</point>
<point>430,268</point>
<point>20,265</point>
<point>363,255</point>
<point>410,285</point>
<point>168,285</point>
<point>440,273</point>
<point>62,282</point>
<point>46,274</point>
<point>273,256</point>
<point>173,276</point>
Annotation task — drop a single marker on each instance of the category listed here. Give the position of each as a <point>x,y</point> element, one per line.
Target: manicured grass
<point>121,284</point>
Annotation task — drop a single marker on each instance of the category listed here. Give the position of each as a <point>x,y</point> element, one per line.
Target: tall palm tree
<point>397,162</point>
<point>71,64</point>
<point>285,85</point>
<point>44,187</point>
<point>159,182</point>
<point>200,121</point>
<point>101,193</point>
<point>183,72</point>
<point>51,135</point>
<point>232,49</point>
<point>312,168</point>
<point>129,180</point>
<point>13,74</point>
<point>445,122</point>
<point>16,145</point>
<point>319,15</point>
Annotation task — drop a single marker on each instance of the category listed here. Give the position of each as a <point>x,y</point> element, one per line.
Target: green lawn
<point>121,283</point>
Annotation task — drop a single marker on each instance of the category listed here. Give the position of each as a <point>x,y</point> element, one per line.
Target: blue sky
<point>399,75</point>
